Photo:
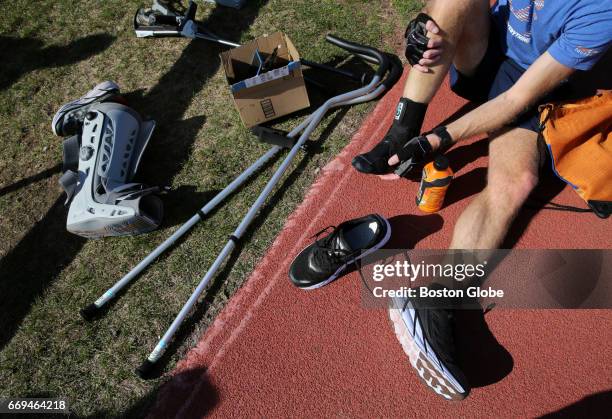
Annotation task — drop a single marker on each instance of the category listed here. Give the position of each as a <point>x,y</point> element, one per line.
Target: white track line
<point>215,329</point>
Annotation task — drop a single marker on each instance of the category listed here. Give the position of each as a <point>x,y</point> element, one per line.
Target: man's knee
<point>456,7</point>
<point>506,193</point>
<point>460,19</point>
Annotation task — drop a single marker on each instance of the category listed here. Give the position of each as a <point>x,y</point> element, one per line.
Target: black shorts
<point>495,74</point>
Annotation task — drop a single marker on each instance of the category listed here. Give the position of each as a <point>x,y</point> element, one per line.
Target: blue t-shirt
<point>575,32</point>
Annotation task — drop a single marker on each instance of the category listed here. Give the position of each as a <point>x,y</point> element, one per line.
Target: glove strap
<point>416,149</point>
<point>446,141</point>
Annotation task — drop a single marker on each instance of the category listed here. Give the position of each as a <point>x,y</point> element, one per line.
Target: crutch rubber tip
<point>145,370</point>
<point>90,312</point>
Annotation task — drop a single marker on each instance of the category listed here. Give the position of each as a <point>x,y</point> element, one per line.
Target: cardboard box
<point>270,94</point>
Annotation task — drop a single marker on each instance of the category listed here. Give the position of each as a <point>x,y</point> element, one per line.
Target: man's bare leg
<point>513,173</point>
<point>464,32</point>
<point>461,36</point>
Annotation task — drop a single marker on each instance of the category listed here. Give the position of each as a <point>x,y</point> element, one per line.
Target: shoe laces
<point>326,255</point>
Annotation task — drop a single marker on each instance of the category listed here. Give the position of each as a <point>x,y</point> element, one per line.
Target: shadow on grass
<point>47,173</point>
<point>30,267</point>
<point>187,202</point>
<point>19,56</point>
<point>191,385</point>
<point>167,102</point>
<point>174,138</point>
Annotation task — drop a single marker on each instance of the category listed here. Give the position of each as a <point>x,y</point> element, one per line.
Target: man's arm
<point>541,77</point>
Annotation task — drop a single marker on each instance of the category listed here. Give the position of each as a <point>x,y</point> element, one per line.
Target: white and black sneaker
<point>325,259</point>
<point>66,120</point>
<point>424,327</point>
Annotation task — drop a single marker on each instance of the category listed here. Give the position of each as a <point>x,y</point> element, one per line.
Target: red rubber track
<point>279,351</point>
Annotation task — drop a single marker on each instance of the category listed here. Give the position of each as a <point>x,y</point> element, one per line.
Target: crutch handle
<point>395,72</point>
<point>382,59</point>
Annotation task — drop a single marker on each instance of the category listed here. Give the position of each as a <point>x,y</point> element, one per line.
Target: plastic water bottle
<point>437,177</point>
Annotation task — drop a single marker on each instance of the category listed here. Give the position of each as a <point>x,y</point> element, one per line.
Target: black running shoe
<point>325,259</point>
<point>424,327</point>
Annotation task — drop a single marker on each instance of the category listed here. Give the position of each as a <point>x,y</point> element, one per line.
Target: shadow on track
<point>596,405</point>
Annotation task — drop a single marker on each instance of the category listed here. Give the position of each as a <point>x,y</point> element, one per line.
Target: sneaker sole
<point>94,94</point>
<point>427,371</point>
<point>361,256</point>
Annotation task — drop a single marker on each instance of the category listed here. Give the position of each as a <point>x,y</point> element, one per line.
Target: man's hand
<point>432,55</point>
<point>434,141</point>
<point>540,78</point>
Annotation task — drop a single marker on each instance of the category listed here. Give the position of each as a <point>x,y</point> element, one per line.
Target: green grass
<point>54,51</point>
<point>407,8</point>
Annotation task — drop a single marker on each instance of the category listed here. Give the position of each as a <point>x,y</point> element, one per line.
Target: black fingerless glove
<point>413,153</point>
<point>416,38</point>
<point>418,150</point>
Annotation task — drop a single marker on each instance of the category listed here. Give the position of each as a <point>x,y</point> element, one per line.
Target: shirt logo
<point>525,15</point>
<point>526,37</point>
<point>521,14</point>
<point>587,52</point>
